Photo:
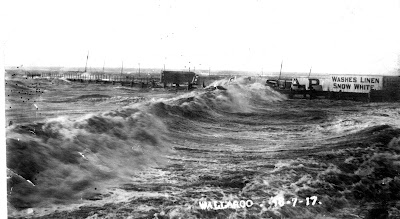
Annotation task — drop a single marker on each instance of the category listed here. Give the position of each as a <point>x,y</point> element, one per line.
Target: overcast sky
<point>329,36</point>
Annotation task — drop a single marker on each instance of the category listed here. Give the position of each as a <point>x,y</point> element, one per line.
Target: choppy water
<point>106,151</point>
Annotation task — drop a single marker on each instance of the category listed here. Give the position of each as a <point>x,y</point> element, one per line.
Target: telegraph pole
<point>87,58</point>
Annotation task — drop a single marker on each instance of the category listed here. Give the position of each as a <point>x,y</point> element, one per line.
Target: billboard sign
<point>356,84</point>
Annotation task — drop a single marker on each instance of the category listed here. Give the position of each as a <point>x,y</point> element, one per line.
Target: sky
<point>335,36</point>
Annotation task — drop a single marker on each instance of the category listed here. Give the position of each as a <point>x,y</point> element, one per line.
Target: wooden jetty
<point>104,78</point>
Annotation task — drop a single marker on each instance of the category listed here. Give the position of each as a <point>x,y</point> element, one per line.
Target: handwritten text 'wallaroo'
<point>216,205</point>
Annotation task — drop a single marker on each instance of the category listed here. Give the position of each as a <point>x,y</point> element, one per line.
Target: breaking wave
<point>65,159</point>
<point>240,96</point>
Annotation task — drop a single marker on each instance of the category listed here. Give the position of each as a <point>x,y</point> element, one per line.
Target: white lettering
<point>217,205</point>
<point>242,204</point>
<point>203,205</point>
<point>249,203</point>
<point>209,206</point>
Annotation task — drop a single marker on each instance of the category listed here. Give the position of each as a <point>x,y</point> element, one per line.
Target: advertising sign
<point>356,84</point>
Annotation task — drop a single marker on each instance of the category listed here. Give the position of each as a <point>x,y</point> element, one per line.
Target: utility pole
<point>87,58</point>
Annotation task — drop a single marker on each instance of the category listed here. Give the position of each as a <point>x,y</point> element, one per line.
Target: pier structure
<point>103,78</point>
<point>133,79</point>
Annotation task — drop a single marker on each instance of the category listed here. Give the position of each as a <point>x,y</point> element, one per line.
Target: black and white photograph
<point>200,109</point>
